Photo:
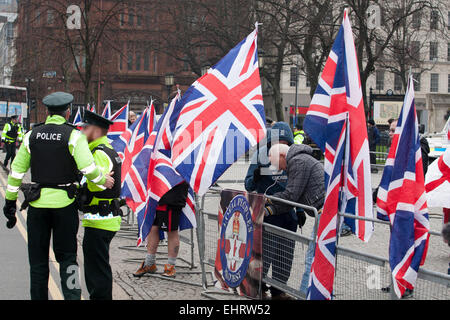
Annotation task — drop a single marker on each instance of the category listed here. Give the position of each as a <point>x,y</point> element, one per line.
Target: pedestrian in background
<point>12,133</point>
<point>299,134</point>
<point>262,180</point>
<point>374,140</point>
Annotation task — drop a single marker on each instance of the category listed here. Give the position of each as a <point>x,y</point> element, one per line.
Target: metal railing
<point>359,275</point>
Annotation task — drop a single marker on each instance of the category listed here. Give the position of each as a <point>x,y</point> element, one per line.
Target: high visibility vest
<point>299,137</point>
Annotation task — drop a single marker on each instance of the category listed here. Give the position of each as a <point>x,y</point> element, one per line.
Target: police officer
<point>299,134</point>
<point>12,132</point>
<point>54,151</point>
<point>102,214</point>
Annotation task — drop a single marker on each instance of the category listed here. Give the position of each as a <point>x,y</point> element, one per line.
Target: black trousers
<point>373,156</point>
<point>63,225</point>
<point>97,270</point>
<point>10,152</point>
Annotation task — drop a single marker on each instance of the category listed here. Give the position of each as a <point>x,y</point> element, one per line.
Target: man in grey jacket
<point>306,185</point>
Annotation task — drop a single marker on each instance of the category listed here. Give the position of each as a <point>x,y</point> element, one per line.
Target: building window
<point>416,20</point>
<point>308,83</point>
<point>130,60</point>
<point>398,83</point>
<point>434,19</point>
<point>120,61</point>
<point>448,21</point>
<point>139,20</point>
<point>434,82</point>
<point>433,50</point>
<point>155,63</point>
<point>294,77</point>
<point>416,77</point>
<point>50,17</point>
<point>415,50</point>
<point>138,61</point>
<point>146,59</point>
<point>122,19</point>
<point>448,84</point>
<point>448,51</point>
<point>380,80</point>
<point>38,18</point>
<point>130,19</point>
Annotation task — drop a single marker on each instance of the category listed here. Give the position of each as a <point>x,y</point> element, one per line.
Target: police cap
<point>58,100</point>
<point>93,119</point>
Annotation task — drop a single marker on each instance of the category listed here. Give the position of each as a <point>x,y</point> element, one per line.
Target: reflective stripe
<point>26,141</point>
<point>89,169</point>
<point>98,179</point>
<point>12,189</point>
<point>17,175</point>
<point>73,140</point>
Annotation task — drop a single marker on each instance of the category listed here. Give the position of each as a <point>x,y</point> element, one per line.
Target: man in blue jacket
<point>277,252</point>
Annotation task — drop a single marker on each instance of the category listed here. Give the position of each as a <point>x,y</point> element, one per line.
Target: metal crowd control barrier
<point>359,275</point>
<point>277,242</point>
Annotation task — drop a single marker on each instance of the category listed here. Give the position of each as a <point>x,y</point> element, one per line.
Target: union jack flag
<point>153,175</point>
<point>78,120</point>
<point>219,117</point>
<point>437,182</point>
<point>129,145</point>
<point>402,199</point>
<point>337,124</point>
<point>107,110</point>
<point>120,119</point>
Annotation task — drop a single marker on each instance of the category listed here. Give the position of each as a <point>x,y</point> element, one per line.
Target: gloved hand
<point>9,210</point>
<point>301,217</point>
<point>257,175</point>
<point>268,210</point>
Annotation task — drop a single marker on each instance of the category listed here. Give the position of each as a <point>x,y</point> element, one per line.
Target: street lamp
<point>169,81</point>
<point>261,58</point>
<point>205,69</point>
<point>29,81</point>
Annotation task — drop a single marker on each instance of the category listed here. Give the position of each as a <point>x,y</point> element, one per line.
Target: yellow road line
<point>53,288</point>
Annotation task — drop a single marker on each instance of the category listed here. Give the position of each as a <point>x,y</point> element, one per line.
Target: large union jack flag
<point>219,117</point>
<point>337,123</point>
<point>154,175</point>
<point>402,199</point>
<point>120,125</point>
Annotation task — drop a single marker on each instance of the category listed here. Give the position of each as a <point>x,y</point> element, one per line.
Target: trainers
<point>169,271</point>
<point>143,269</point>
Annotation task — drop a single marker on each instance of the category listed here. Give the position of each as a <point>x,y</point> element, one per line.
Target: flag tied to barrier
<point>402,199</point>
<point>337,124</point>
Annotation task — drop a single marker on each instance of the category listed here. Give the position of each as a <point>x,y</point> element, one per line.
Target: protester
<point>131,118</point>
<point>305,185</point>
<point>374,140</point>
<point>167,219</point>
<point>262,180</point>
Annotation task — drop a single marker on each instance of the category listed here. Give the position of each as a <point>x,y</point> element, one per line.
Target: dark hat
<point>58,100</point>
<point>93,119</point>
<point>371,122</point>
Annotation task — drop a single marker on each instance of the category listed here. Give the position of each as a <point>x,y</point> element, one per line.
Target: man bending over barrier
<point>305,185</point>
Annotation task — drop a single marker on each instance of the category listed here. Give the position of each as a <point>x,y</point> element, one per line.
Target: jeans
<point>308,262</point>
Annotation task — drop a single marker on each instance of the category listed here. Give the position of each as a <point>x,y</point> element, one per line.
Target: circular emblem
<point>236,241</point>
